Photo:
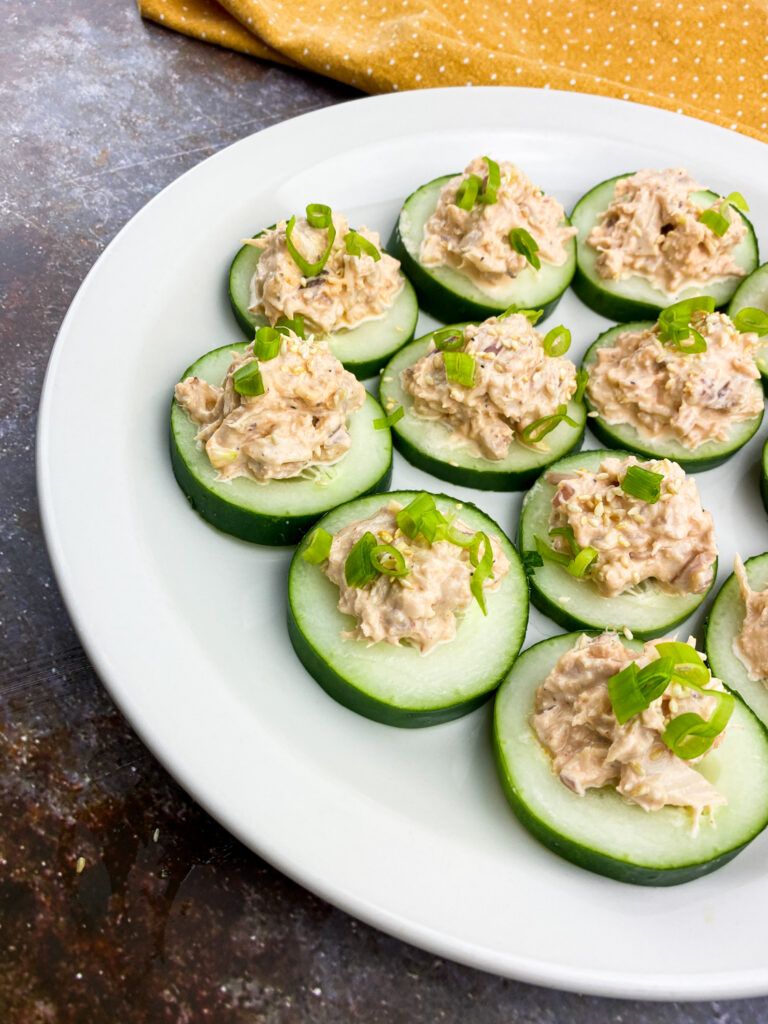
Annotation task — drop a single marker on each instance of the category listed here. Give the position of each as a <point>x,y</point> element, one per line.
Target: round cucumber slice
<point>576,603</point>
<point>764,475</point>
<point>278,512</point>
<point>625,436</point>
<point>428,444</point>
<point>600,831</point>
<point>398,685</point>
<point>448,294</point>
<point>753,293</point>
<point>634,298</point>
<point>363,349</point>
<point>724,624</point>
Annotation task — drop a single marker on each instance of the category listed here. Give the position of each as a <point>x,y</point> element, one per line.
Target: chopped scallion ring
<point>319,215</point>
<point>689,735</point>
<point>581,563</point>
<point>543,550</point>
<point>557,341</point>
<point>539,429</point>
<point>483,568</point>
<point>358,567</point>
<point>582,379</point>
<point>383,555</point>
<point>674,323</point>
<point>642,483</point>
<point>311,269</point>
<point>488,195</point>
<point>531,315</point>
<point>751,319</point>
<point>247,380</point>
<point>390,420</point>
<point>433,525</point>
<point>266,344</point>
<point>715,221</point>
<point>409,517</point>
<point>357,244</point>
<point>468,191</point>
<point>737,199</point>
<point>525,244</point>
<point>284,324</point>
<point>633,690</point>
<point>448,339</point>
<point>319,547</point>
<point>460,368</point>
<point>688,662</point>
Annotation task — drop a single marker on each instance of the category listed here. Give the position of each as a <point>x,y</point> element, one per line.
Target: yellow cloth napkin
<point>707,59</point>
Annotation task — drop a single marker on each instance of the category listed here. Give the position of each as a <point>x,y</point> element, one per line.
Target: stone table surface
<point>120,899</point>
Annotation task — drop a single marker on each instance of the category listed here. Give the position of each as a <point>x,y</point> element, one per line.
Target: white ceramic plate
<point>407,829</point>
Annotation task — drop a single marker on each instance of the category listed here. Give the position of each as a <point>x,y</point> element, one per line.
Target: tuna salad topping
<point>514,383</point>
<point>348,288</point>
<point>668,394</point>
<point>476,241</point>
<point>575,720</point>
<point>300,419</point>
<point>653,229</point>
<point>669,541</point>
<point>434,582</point>
<point>751,645</point>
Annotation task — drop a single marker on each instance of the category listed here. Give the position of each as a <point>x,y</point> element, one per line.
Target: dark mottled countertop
<point>120,899</point>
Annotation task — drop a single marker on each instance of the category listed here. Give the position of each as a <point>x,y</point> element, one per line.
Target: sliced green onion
<point>483,568</point>
<point>580,564</point>
<point>582,379</point>
<point>433,525</point>
<point>690,735</point>
<point>489,193</point>
<point>751,319</point>
<point>539,429</point>
<point>317,220</point>
<point>319,546</point>
<point>266,344</point>
<point>319,215</point>
<point>383,555</point>
<point>358,568</point>
<point>689,665</point>
<point>715,221</point>
<point>737,199</point>
<point>284,324</point>
<point>409,517</point>
<point>448,339</point>
<point>557,341</point>
<point>247,380</point>
<point>532,561</point>
<point>674,323</point>
<point>357,244</point>
<point>543,550</point>
<point>390,420</point>
<point>524,243</point>
<point>468,191</point>
<point>633,690</point>
<point>570,536</point>
<point>643,484</point>
<point>582,558</point>
<point>460,368</point>
<point>531,315</point>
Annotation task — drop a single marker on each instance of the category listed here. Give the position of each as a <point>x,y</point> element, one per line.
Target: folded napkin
<point>706,59</point>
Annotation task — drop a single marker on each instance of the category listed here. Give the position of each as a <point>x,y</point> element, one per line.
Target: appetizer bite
<point>650,238</point>
<point>476,243</point>
<point>686,387</point>
<point>615,543</point>
<point>268,436</point>
<point>628,760</point>
<point>337,280</point>
<point>485,405</point>
<point>407,608</point>
<point>749,310</point>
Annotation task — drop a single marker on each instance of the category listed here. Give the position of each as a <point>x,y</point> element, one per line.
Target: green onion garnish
<point>524,243</point>
<point>284,324</point>
<point>247,380</point>
<point>557,341</point>
<point>357,244</point>
<point>319,546</point>
<point>633,690</point>
<point>570,536</point>
<point>751,319</point>
<point>483,567</point>
<point>488,195</point>
<point>433,525</point>
<point>383,555</point>
<point>737,199</point>
<point>582,559</point>
<point>318,216</point>
<point>409,517</point>
<point>690,735</point>
<point>715,221</point>
<point>539,429</point>
<point>460,368</point>
<point>688,662</point>
<point>582,379</point>
<point>390,420</point>
<point>531,315</point>
<point>448,339</point>
<point>643,484</point>
<point>266,344</point>
<point>675,327</point>
<point>581,563</point>
<point>549,554</point>
<point>468,191</point>
<point>358,568</point>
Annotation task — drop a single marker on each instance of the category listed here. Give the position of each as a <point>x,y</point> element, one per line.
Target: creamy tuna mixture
<point>751,645</point>
<point>299,421</point>
<point>476,241</point>
<point>574,721</point>
<point>667,394</point>
<point>652,230</point>
<point>421,608</point>
<point>515,383</point>
<point>348,290</point>
<point>671,542</point>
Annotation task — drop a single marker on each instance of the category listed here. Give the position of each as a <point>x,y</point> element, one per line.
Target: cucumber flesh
<point>753,292</point>
<point>428,443</point>
<point>635,298</point>
<point>280,511</point>
<point>576,603</point>
<point>398,685</point>
<point>625,436</point>
<point>448,294</point>
<point>363,349</point>
<point>602,832</point>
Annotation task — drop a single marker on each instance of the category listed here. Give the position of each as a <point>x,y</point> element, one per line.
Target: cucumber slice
<point>625,436</point>
<point>724,624</point>
<point>634,298</point>
<point>753,292</point>
<point>450,295</point>
<point>398,685</point>
<point>428,445</point>
<point>363,349</point>
<point>764,475</point>
<point>600,831</point>
<point>576,603</point>
<point>278,512</point>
